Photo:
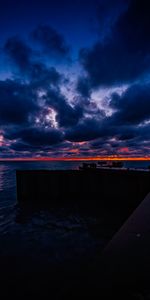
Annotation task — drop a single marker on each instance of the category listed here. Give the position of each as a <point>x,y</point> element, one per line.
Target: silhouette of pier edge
<point>111,188</point>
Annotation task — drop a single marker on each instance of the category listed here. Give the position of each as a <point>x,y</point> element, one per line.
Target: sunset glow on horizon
<point>77,159</point>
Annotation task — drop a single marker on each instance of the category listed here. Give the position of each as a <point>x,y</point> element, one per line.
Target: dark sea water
<point>49,244</point>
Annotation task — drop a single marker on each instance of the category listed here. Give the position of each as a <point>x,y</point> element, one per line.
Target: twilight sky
<point>74,78</point>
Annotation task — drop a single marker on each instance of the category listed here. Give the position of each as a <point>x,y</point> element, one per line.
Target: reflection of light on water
<point>2,176</point>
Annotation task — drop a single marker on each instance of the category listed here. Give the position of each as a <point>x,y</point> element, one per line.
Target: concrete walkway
<point>126,259</point>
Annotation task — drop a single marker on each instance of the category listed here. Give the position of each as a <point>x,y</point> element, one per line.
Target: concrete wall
<point>116,188</point>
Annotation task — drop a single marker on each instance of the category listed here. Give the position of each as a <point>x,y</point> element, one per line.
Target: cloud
<point>66,114</point>
<point>133,106</point>
<point>17,102</point>
<point>33,139</point>
<point>41,136</point>
<point>83,87</point>
<point>19,52</point>
<point>52,42</point>
<point>124,56</point>
<point>108,12</point>
<point>127,128</point>
<point>88,129</point>
<point>38,115</point>
<point>37,138</point>
<point>29,66</point>
<point>42,77</point>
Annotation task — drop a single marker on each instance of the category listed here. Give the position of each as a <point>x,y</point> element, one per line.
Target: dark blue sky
<point>76,20</point>
<point>74,78</point>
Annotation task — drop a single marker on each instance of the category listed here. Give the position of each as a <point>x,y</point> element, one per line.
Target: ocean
<point>53,244</point>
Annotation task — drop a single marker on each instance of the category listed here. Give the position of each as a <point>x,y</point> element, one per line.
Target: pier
<point>122,269</point>
<point>94,188</point>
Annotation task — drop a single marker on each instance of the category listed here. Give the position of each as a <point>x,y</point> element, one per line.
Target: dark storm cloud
<point>36,113</point>
<point>66,114</point>
<point>41,137</point>
<point>124,56</point>
<point>108,12</point>
<point>133,106</point>
<point>52,42</point>
<point>126,125</point>
<point>19,52</point>
<point>83,87</point>
<point>21,147</point>
<point>25,57</point>
<point>91,129</point>
<point>29,66</point>
<point>17,102</point>
<point>36,138</point>
<point>141,141</point>
<point>42,77</point>
<point>134,145</point>
<point>88,129</point>
<point>32,140</point>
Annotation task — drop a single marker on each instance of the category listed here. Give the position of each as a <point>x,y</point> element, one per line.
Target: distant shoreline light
<point>76,158</point>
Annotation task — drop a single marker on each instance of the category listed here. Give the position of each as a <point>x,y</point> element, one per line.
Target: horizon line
<point>75,158</point>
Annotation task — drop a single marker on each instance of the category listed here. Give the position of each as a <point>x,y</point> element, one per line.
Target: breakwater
<point>124,189</point>
<point>125,260</point>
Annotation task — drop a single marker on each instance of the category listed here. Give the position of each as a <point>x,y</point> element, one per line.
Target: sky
<point>74,78</point>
